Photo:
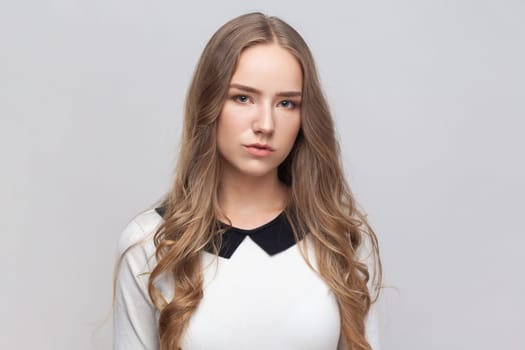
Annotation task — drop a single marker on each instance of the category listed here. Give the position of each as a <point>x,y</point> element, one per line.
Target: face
<point>261,117</point>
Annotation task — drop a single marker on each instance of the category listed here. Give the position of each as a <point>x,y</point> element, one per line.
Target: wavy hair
<point>321,202</point>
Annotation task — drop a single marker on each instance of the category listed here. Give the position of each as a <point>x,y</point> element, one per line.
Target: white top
<point>252,300</point>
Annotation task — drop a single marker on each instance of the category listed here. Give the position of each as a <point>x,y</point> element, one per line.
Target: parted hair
<point>321,203</point>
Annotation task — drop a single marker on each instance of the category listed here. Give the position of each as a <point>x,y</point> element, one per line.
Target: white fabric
<point>251,301</point>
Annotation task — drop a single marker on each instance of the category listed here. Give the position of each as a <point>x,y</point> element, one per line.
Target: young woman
<point>259,244</point>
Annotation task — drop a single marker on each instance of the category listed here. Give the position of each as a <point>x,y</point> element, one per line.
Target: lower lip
<point>260,152</point>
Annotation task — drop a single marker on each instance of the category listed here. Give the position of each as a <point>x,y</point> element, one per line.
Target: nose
<point>264,122</point>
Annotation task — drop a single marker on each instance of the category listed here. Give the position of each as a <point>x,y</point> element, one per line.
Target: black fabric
<point>161,211</point>
<point>273,237</point>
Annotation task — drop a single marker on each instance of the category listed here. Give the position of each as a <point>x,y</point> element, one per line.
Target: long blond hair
<point>321,202</point>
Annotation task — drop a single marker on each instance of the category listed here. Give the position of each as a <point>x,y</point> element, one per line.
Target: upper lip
<point>260,145</point>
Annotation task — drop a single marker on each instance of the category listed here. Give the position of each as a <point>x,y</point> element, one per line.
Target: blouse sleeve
<point>372,327</point>
<point>365,254</point>
<point>134,318</point>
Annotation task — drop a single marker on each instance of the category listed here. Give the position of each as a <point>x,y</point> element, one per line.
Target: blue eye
<point>241,98</point>
<point>288,104</point>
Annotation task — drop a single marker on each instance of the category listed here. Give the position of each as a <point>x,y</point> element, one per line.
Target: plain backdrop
<point>429,102</point>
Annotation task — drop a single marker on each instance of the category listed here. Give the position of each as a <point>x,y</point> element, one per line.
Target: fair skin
<point>263,106</point>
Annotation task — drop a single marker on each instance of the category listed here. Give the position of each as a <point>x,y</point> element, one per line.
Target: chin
<point>251,167</point>
<point>256,171</point>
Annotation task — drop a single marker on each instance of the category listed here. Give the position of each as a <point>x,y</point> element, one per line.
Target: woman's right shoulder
<point>140,231</point>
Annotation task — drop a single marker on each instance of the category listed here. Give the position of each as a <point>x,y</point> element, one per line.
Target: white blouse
<point>259,294</point>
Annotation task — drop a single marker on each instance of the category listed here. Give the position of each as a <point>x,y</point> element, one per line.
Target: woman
<point>259,244</point>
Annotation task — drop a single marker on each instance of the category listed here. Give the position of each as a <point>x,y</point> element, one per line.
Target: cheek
<point>222,122</point>
<point>292,129</point>
<point>227,129</point>
<point>222,134</point>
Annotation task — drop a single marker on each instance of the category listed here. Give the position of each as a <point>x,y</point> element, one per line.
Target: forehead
<point>269,68</point>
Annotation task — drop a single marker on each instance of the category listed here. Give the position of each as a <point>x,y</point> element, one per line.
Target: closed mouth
<point>259,146</point>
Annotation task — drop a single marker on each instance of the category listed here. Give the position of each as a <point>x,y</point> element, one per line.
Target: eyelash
<point>237,98</point>
<point>292,103</point>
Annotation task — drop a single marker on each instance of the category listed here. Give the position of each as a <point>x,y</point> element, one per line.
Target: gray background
<point>428,98</point>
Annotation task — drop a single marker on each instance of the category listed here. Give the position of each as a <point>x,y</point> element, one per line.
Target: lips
<point>260,146</point>
<point>259,150</point>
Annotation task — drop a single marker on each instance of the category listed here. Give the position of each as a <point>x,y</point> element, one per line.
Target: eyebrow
<point>255,91</point>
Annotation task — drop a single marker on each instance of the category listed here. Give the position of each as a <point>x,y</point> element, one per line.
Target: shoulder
<point>137,249</point>
<point>139,231</point>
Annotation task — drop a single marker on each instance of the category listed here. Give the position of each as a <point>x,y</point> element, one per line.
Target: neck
<point>244,195</point>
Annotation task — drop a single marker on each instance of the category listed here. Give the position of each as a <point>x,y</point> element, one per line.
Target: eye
<point>241,98</point>
<point>288,104</point>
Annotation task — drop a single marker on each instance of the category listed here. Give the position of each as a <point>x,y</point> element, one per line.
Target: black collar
<point>273,237</point>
